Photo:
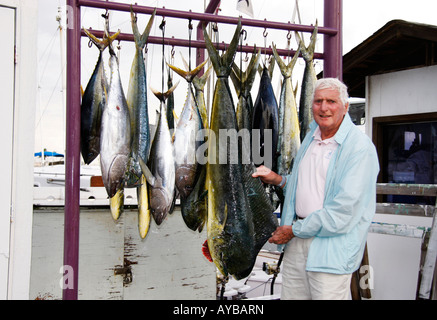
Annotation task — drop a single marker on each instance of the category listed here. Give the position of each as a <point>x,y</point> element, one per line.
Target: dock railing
<point>426,288</point>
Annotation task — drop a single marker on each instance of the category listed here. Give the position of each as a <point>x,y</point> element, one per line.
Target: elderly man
<point>329,203</point>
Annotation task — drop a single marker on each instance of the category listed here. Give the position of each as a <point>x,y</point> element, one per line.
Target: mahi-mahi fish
<point>243,82</point>
<point>236,202</point>
<point>115,136</point>
<point>289,131</point>
<point>187,168</point>
<point>308,83</point>
<point>161,164</point>
<point>93,102</point>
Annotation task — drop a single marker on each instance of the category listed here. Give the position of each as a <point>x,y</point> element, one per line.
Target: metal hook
<point>289,35</point>
<point>162,25</point>
<point>243,33</point>
<point>265,33</point>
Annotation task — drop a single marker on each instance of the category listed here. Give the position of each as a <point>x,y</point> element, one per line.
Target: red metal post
<point>333,44</point>
<point>200,53</point>
<point>72,167</point>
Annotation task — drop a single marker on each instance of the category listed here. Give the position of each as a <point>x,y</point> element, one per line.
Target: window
<point>407,153</point>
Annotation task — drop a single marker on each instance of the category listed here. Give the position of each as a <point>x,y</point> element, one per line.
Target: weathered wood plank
<point>405,209</point>
<point>398,229</point>
<point>407,189</point>
<point>428,268</point>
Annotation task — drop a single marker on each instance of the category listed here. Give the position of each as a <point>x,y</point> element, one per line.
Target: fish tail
<point>190,74</point>
<point>162,96</point>
<point>286,70</point>
<point>222,65</point>
<point>141,39</point>
<point>308,52</point>
<point>103,43</point>
<point>199,82</point>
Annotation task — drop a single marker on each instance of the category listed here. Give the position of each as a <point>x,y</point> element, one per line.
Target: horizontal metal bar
<point>198,44</point>
<point>407,189</point>
<point>206,17</point>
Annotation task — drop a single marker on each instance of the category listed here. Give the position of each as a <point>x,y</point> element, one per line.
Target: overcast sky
<point>360,20</point>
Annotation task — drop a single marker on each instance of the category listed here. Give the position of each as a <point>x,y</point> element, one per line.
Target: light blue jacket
<point>340,227</point>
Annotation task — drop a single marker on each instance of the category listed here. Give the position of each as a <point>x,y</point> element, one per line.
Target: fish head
<point>185,179</point>
<point>159,203</point>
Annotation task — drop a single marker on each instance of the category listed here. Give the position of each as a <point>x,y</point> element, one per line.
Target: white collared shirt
<point>310,190</point>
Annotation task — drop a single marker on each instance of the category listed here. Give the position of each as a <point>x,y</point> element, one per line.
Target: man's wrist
<point>283,182</point>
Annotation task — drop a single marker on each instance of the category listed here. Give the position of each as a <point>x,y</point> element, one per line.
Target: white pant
<point>299,284</point>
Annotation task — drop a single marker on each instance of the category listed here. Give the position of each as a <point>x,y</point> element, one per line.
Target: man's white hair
<point>335,84</point>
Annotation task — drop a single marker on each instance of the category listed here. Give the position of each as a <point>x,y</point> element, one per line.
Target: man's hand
<point>282,235</point>
<point>267,176</point>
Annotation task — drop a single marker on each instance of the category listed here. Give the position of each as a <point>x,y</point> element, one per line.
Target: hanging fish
<point>243,82</point>
<point>161,163</point>
<point>185,143</point>
<point>308,83</point>
<point>289,131</point>
<point>194,208</point>
<point>93,102</point>
<point>235,205</point>
<point>170,103</point>
<point>137,103</point>
<point>115,136</point>
<point>199,85</point>
<point>266,117</point>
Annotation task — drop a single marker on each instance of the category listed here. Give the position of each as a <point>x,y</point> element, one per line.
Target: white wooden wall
<point>167,264</point>
<point>395,260</point>
<point>18,95</point>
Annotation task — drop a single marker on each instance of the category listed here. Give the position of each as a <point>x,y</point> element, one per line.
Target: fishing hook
<point>243,33</point>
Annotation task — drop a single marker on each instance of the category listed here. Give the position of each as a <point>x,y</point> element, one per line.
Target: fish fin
<point>222,65</point>
<point>199,82</point>
<point>141,39</point>
<point>251,69</point>
<point>184,62</point>
<point>308,52</point>
<point>147,173</point>
<point>162,96</point>
<point>144,214</point>
<point>190,74</point>
<point>229,55</point>
<point>271,68</point>
<point>169,91</point>
<point>295,90</point>
<point>116,204</point>
<point>286,70</point>
<point>206,252</point>
<point>103,43</point>
<point>235,77</point>
<point>175,115</point>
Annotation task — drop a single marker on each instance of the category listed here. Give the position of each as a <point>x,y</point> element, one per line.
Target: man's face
<point>328,111</point>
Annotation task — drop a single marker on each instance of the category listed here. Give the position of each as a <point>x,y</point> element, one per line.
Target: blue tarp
<point>48,154</point>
